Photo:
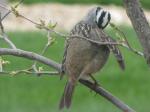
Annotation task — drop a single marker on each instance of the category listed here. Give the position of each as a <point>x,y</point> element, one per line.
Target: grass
<point>28,93</point>
<point>145,3</point>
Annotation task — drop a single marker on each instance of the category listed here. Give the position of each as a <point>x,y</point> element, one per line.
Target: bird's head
<point>99,16</point>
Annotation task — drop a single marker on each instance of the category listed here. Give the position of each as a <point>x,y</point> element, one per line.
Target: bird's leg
<point>95,81</point>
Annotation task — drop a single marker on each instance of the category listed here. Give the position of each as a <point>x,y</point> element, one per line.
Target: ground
<point>35,94</point>
<point>29,93</point>
<point>65,15</point>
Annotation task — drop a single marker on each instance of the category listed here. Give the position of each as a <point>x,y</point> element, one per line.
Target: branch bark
<point>100,90</point>
<point>140,24</point>
<point>31,56</point>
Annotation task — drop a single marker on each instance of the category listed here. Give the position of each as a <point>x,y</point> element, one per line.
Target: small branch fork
<point>14,51</point>
<point>4,35</point>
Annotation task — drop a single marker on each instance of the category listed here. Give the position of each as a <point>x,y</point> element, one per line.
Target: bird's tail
<point>67,95</point>
<point>119,57</point>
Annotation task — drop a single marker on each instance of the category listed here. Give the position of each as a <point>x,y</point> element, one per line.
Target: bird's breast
<point>82,54</point>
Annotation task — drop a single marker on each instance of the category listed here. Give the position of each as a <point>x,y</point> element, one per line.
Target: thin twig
<point>17,72</point>
<point>125,42</point>
<point>5,37</point>
<point>96,42</point>
<point>35,23</point>
<point>21,1</point>
<point>132,50</point>
<point>1,64</point>
<point>49,40</point>
<point>10,43</point>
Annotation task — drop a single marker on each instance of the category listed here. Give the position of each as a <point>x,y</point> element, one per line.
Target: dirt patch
<point>65,15</point>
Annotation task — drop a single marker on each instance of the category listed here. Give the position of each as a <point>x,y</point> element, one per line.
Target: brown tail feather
<point>118,56</point>
<point>116,51</point>
<point>67,95</point>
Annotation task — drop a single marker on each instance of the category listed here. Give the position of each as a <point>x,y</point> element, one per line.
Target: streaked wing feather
<point>116,51</point>
<point>81,29</point>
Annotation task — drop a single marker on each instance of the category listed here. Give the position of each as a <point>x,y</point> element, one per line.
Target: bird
<point>82,58</point>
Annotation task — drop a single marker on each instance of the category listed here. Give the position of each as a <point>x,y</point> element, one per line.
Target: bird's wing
<point>64,56</point>
<point>116,51</point>
<point>80,29</point>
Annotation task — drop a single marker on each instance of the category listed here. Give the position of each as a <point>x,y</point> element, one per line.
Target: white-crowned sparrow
<point>83,58</point>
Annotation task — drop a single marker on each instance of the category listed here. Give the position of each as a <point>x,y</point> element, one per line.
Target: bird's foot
<point>95,83</point>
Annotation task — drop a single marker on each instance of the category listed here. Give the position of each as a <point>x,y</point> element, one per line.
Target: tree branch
<point>140,24</point>
<point>31,56</point>
<point>101,91</point>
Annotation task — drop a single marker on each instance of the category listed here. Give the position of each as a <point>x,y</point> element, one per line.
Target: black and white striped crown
<point>102,17</point>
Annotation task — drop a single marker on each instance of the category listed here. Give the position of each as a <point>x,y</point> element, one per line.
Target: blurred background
<point>29,93</point>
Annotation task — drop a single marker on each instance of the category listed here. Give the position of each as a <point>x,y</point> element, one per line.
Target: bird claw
<point>95,84</point>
